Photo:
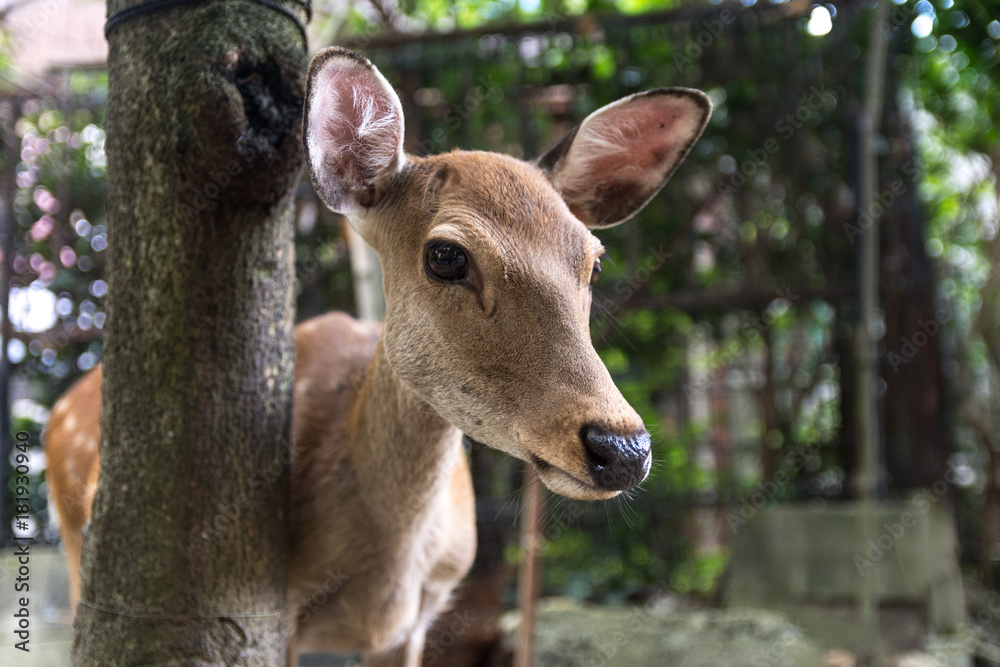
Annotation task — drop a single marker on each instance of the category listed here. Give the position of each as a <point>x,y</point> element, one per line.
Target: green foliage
<point>955,75</point>
<point>587,567</point>
<point>759,205</point>
<point>700,574</point>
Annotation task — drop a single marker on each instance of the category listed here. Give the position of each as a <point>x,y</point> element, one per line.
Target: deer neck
<point>402,451</point>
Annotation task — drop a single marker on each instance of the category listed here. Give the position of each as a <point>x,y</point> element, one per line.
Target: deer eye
<point>445,261</point>
<point>598,267</point>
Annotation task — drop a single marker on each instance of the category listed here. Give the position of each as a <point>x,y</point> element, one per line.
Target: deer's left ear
<point>618,158</point>
<point>353,130</point>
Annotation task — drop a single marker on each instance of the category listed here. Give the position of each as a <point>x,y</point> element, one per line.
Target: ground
<point>662,632</point>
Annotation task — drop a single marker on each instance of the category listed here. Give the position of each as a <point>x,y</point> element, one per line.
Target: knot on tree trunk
<point>246,126</point>
<point>269,107</point>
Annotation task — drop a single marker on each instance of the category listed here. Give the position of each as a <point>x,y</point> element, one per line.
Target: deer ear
<point>618,158</point>
<point>353,130</point>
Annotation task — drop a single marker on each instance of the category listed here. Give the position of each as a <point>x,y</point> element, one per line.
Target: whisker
<point>624,507</point>
<point>511,498</point>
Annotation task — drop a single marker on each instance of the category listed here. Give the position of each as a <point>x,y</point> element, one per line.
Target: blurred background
<point>825,421</point>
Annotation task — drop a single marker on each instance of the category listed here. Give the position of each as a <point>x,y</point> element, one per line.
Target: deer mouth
<point>567,484</point>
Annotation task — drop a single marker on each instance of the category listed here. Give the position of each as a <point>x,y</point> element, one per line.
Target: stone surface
<point>570,635</point>
<point>816,554</point>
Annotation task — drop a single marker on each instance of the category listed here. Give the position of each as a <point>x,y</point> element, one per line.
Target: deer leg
<point>73,544</point>
<point>292,655</point>
<point>407,654</point>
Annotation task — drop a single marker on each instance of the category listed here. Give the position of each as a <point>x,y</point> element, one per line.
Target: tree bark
<point>184,560</point>
<point>917,402</point>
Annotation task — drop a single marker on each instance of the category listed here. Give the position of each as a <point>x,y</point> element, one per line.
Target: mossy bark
<point>184,560</point>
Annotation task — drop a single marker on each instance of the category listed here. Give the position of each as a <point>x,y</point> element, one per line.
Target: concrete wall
<point>808,553</point>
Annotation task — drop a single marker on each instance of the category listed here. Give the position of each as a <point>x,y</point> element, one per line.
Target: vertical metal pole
<point>866,343</point>
<point>531,568</point>
<point>366,271</point>
<point>528,577</point>
<point>10,110</point>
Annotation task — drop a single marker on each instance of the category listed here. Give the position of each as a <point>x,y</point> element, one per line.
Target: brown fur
<point>343,591</point>
<point>383,521</point>
<point>382,512</point>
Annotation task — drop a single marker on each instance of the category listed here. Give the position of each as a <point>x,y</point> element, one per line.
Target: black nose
<point>617,462</point>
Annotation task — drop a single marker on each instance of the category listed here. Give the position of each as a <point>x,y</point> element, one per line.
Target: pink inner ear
<point>639,142</point>
<point>628,150</point>
<point>355,130</point>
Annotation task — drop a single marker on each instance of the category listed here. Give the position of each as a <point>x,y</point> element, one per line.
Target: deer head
<point>488,264</point>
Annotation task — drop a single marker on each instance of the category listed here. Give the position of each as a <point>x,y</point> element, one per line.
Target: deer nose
<point>616,462</point>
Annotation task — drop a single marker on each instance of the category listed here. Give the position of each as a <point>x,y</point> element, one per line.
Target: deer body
<point>488,263</point>
<point>384,531</point>
<point>375,549</point>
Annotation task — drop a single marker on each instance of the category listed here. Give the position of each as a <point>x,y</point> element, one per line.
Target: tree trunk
<point>991,500</point>
<point>184,561</point>
<point>771,454</point>
<point>918,440</point>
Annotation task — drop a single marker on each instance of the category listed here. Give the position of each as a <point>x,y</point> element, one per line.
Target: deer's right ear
<point>619,157</point>
<point>353,130</point>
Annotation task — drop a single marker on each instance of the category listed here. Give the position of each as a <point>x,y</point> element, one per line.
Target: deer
<point>488,263</point>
